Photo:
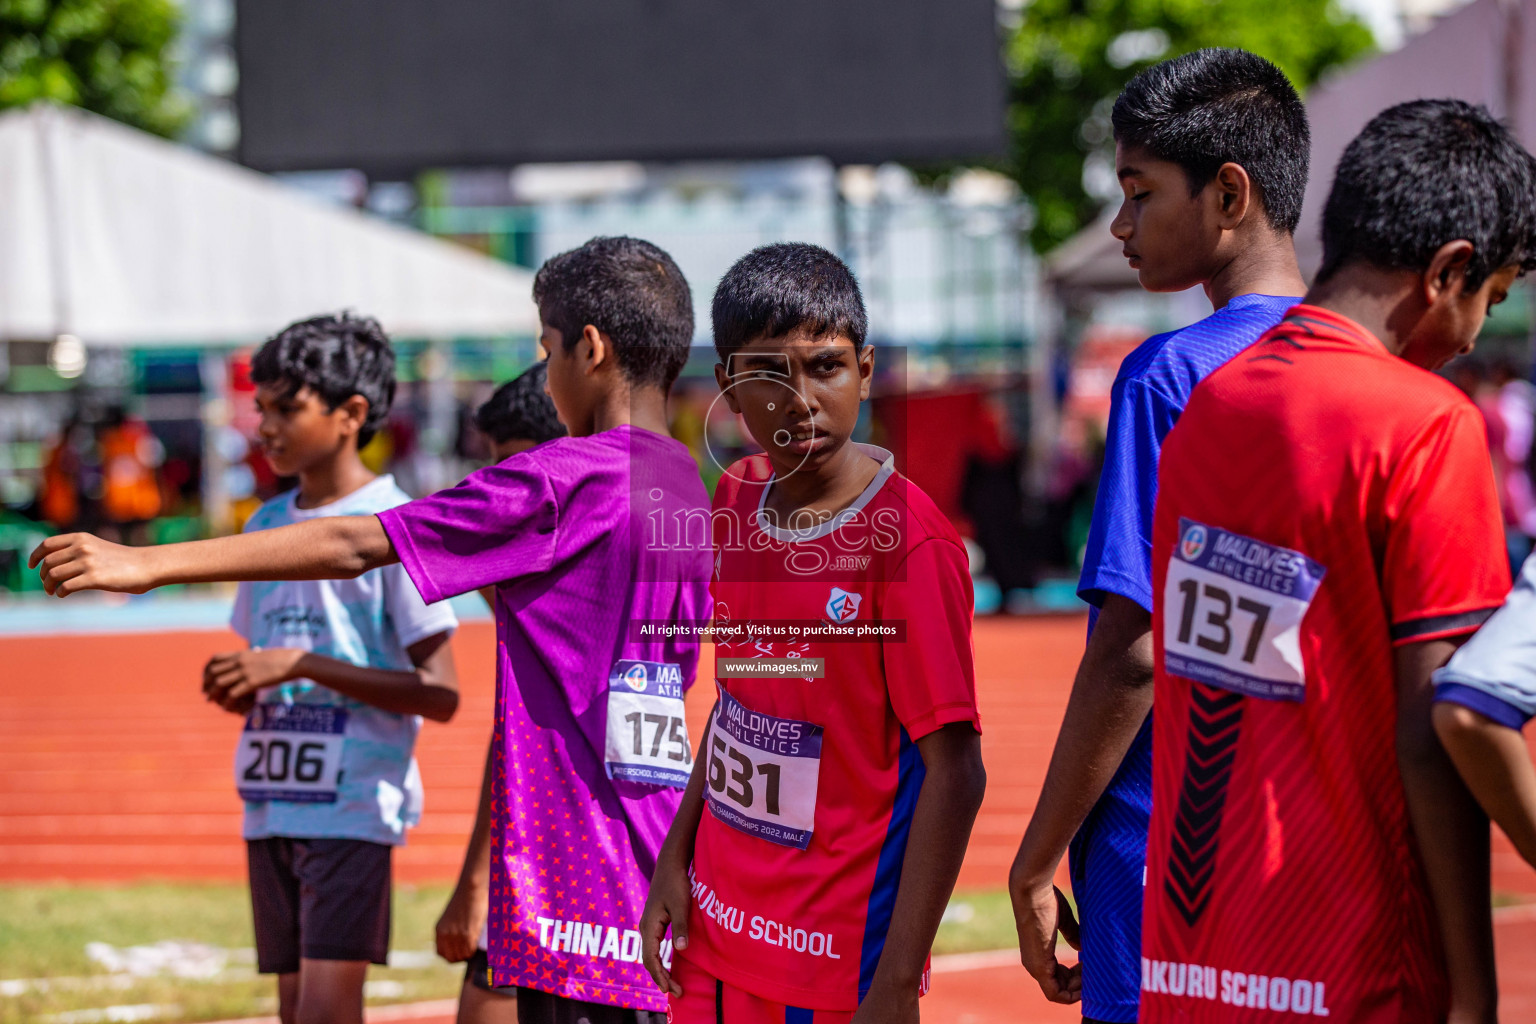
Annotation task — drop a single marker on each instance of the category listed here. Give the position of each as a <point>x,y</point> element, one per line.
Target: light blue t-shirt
<point>312,763</point>
<point>1495,672</point>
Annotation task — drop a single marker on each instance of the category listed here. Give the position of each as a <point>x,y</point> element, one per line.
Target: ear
<point>1234,194</point>
<point>1446,275</point>
<point>353,413</point>
<point>866,370</point>
<point>595,348</point>
<point>724,381</point>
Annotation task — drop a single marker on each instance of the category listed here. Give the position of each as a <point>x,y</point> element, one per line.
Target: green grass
<point>977,920</point>
<point>44,930</point>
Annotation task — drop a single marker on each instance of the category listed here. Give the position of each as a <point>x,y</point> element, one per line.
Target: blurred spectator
<point>130,492</point>
<point>1515,401</point>
<point>58,498</point>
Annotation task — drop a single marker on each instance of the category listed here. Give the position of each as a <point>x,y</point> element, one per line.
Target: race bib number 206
<point>1232,611</point>
<point>291,752</point>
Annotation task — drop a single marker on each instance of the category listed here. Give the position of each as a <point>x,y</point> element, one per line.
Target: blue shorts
<point>1108,861</point>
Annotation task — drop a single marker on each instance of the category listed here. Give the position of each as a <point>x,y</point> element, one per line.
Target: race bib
<point>291,752</point>
<point>647,732</point>
<point>763,773</point>
<point>1232,611</point>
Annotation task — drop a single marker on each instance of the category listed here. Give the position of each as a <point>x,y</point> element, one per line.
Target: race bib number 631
<point>763,773</point>
<point>1232,611</point>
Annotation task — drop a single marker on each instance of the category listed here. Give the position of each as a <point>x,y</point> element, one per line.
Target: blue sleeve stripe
<point>1484,703</point>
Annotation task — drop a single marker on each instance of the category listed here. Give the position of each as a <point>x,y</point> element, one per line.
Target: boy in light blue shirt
<point>335,683</point>
<point>1484,696</point>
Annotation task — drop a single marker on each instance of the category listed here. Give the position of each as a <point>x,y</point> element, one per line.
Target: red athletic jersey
<point>813,776</point>
<point>1320,501</point>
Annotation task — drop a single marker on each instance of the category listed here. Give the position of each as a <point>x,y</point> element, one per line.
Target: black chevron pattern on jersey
<point>1215,722</point>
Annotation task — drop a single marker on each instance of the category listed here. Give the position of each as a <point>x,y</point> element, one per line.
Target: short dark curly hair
<point>336,357</point>
<point>1426,173</point>
<point>630,290</point>
<point>519,410</point>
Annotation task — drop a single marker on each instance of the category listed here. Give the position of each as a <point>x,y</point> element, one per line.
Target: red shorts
<point>708,1000</point>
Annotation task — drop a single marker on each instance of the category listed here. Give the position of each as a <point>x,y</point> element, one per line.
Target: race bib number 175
<point>647,738</point>
<point>1232,611</point>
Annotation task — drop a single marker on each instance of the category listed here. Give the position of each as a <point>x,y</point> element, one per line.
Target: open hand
<point>73,562</point>
<point>458,929</point>
<point>667,904</point>
<point>1039,912</point>
<point>232,680</point>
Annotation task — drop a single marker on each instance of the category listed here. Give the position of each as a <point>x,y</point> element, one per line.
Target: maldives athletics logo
<point>636,678</point>
<point>1193,543</point>
<point>843,606</point>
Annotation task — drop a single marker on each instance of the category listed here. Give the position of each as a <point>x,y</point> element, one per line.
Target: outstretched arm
<point>1110,700</point>
<point>334,547</point>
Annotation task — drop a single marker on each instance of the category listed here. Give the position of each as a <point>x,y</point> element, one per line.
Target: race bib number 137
<point>1232,611</point>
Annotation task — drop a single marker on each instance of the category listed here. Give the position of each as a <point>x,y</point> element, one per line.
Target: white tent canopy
<point>121,238</point>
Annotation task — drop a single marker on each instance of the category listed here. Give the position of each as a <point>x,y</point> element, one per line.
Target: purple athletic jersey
<point>586,540</point>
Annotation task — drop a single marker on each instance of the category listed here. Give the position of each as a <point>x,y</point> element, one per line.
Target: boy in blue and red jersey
<point>1211,150</point>
<point>842,767</point>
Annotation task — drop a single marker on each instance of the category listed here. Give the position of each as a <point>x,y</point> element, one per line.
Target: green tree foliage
<point>1068,59</point>
<point>108,56</point>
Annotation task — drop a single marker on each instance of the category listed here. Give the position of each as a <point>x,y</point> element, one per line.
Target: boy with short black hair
<point>591,745</point>
<point>842,767</point>
<point>519,414</point>
<point>336,680</point>
<point>1211,150</point>
<point>1327,531</point>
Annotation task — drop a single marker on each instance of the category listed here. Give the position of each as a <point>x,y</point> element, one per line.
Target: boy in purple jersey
<point>1211,152</point>
<point>591,747</point>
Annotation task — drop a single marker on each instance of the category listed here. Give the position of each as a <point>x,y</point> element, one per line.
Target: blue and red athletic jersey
<point>814,773</point>
<point>1320,501</point>
<point>1108,854</point>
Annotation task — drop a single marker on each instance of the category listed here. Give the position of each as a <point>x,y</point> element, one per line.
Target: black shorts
<point>478,973</point>
<point>318,899</point>
<point>535,1007</point>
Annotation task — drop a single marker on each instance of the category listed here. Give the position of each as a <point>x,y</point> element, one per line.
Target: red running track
<point>112,768</point>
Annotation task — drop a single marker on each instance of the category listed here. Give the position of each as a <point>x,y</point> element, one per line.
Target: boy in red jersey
<point>1326,533</point>
<point>842,768</point>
